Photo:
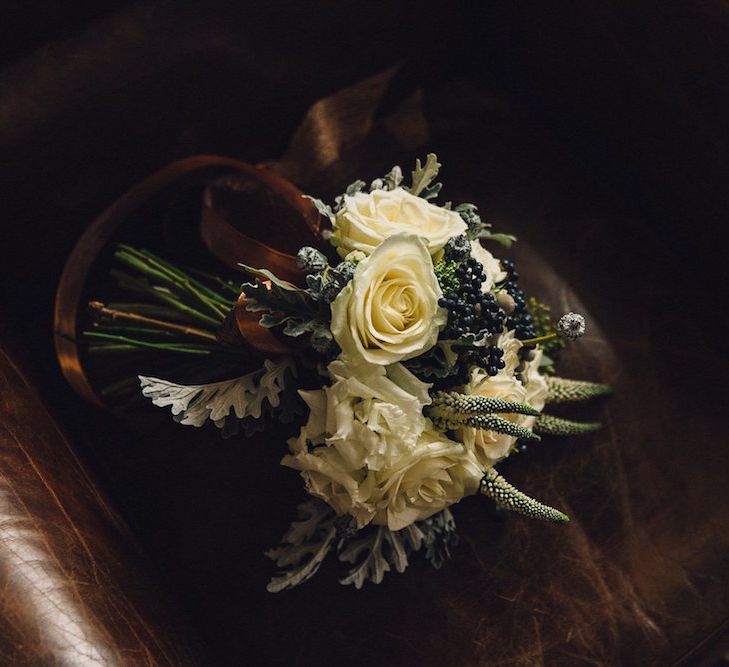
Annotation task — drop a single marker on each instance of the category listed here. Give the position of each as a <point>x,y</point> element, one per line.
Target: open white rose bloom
<point>420,365</point>
<point>366,219</point>
<point>389,311</point>
<point>369,452</point>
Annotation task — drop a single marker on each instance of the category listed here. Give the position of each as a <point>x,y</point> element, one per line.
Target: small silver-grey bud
<point>322,340</point>
<point>336,280</point>
<point>458,248</point>
<point>345,271</point>
<point>311,260</point>
<point>571,325</point>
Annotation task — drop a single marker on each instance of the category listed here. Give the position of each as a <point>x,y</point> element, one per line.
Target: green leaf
<point>354,188</point>
<point>298,327</point>
<point>284,304</point>
<point>439,537</point>
<point>324,209</point>
<point>304,546</point>
<point>423,177</point>
<point>265,273</point>
<point>506,240</point>
<point>432,364</point>
<point>393,178</point>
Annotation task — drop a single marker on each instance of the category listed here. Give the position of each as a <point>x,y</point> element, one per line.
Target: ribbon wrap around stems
<point>224,241</point>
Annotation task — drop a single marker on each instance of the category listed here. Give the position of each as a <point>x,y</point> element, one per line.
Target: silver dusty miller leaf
<point>304,546</point>
<point>193,405</point>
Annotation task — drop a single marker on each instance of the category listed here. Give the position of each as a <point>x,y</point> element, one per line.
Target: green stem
<point>182,288</point>
<point>104,348</point>
<point>152,325</point>
<point>229,286</point>
<point>141,285</point>
<point>539,339</point>
<point>149,310</point>
<point>181,275</point>
<point>146,262</point>
<point>169,347</point>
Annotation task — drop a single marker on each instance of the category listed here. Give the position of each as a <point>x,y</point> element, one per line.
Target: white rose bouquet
<point>416,365</point>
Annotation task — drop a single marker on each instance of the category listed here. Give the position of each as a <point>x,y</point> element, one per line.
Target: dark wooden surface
<point>596,133</point>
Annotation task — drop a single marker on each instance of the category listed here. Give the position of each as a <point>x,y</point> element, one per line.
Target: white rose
<point>535,384</point>
<point>367,450</point>
<point>491,447</point>
<point>437,474</point>
<point>511,345</point>
<point>528,387</point>
<point>491,266</point>
<point>389,310</point>
<point>366,219</point>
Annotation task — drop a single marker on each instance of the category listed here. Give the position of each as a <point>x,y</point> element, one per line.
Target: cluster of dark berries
<point>469,310</point>
<point>489,357</point>
<point>520,320</point>
<point>475,314</point>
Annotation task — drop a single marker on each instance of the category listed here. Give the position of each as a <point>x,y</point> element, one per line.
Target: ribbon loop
<point>226,242</point>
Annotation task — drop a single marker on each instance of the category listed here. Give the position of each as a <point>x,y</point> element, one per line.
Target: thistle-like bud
<point>336,279</point>
<point>458,248</point>
<point>571,326</point>
<point>471,218</point>
<point>311,260</point>
<point>345,271</point>
<point>322,341</point>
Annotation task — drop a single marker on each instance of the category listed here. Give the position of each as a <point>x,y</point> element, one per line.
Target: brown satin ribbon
<point>224,241</point>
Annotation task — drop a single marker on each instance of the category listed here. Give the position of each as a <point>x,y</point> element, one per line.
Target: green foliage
<point>439,537</point>
<point>284,304</point>
<point>352,189</point>
<point>544,325</point>
<point>506,240</point>
<point>304,546</point>
<point>370,552</point>
<point>445,271</point>
<point>478,229</point>
<point>324,209</point>
<point>423,176</point>
<point>431,365</point>
<point>393,178</point>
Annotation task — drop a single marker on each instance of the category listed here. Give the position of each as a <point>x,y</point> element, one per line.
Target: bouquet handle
<point>223,240</point>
